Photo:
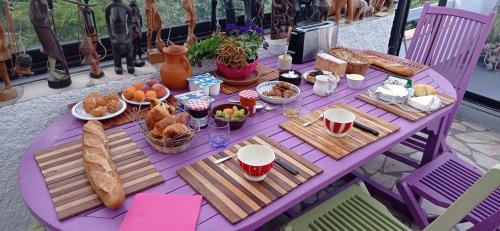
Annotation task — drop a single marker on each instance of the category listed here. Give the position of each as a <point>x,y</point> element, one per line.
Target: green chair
<point>355,209</point>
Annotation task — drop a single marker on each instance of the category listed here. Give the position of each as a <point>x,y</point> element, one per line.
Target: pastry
<point>89,104</point>
<point>156,114</point>
<point>99,168</point>
<point>113,106</point>
<point>101,101</point>
<point>99,111</point>
<point>176,131</point>
<point>182,117</point>
<point>112,97</point>
<point>165,122</point>
<point>93,94</point>
<point>423,90</point>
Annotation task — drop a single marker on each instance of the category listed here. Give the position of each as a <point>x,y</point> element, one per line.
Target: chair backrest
<point>485,186</point>
<point>450,41</point>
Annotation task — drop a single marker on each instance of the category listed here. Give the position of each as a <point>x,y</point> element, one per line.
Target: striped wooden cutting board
<point>317,135</point>
<point>265,74</point>
<point>71,193</point>
<point>226,188</point>
<point>397,110</point>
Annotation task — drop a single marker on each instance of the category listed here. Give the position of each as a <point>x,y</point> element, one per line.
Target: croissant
<point>182,117</point>
<point>165,122</point>
<point>176,131</point>
<point>156,114</point>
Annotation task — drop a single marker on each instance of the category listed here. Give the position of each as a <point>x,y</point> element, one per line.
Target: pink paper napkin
<point>154,212</point>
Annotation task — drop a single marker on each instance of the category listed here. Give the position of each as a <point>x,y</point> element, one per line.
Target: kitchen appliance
<point>306,41</point>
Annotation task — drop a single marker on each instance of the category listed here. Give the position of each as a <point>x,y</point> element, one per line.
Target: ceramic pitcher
<point>176,68</point>
<point>325,84</point>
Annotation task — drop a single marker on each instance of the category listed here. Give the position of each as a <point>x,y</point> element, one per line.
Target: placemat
<point>387,59</point>
<point>317,135</point>
<point>71,193</point>
<point>265,74</point>
<point>235,197</point>
<point>397,110</point>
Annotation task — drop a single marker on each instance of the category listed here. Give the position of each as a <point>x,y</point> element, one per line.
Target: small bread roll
<point>113,106</point>
<point>99,111</point>
<point>89,104</point>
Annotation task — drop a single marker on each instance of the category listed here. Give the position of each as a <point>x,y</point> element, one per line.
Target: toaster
<point>306,41</point>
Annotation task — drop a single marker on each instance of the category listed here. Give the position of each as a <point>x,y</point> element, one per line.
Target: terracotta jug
<point>176,68</point>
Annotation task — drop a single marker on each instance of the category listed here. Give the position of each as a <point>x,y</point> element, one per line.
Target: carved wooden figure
<point>259,17</point>
<point>361,9</point>
<point>136,33</point>
<point>230,12</point>
<point>214,23</point>
<point>154,24</point>
<point>382,5</point>
<point>88,46</point>
<point>118,20</point>
<point>336,6</point>
<point>190,19</point>
<point>7,93</point>
<point>320,10</point>
<point>282,14</point>
<point>40,14</point>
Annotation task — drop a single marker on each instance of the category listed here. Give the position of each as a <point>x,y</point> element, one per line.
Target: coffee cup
<point>338,121</point>
<point>355,81</point>
<point>256,161</point>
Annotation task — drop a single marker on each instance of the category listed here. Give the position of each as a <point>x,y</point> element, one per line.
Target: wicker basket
<point>324,63</point>
<point>168,146</point>
<point>356,64</point>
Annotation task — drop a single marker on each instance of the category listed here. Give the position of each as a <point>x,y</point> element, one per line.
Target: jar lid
<point>249,94</point>
<point>197,104</point>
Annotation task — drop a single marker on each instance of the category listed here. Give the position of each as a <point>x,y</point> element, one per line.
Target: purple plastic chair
<point>442,182</point>
<point>449,41</point>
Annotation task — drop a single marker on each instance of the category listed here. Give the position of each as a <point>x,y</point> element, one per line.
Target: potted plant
<point>234,51</point>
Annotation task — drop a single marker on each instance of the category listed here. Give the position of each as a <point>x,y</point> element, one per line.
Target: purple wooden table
<point>66,128</point>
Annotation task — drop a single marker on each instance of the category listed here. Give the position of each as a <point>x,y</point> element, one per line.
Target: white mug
<point>355,81</point>
<point>325,84</point>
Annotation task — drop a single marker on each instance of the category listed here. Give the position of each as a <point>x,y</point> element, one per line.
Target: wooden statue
<point>88,47</point>
<point>259,16</point>
<point>361,9</point>
<point>320,10</point>
<point>154,23</point>
<point>214,23</point>
<point>8,92</point>
<point>40,14</point>
<point>382,5</point>
<point>282,15</point>
<point>230,12</point>
<point>136,33</point>
<point>336,6</point>
<point>190,19</point>
<point>118,20</point>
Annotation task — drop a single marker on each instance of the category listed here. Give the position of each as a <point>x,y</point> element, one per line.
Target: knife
<point>365,128</point>
<point>286,166</point>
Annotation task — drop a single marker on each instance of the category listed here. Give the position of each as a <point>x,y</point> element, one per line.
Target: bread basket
<point>165,145</point>
<point>356,64</point>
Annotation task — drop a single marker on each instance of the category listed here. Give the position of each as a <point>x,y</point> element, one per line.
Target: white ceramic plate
<point>78,112</point>
<point>267,86</point>
<point>304,76</point>
<point>133,102</point>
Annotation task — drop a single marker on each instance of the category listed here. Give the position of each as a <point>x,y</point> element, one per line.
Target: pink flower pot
<point>235,74</point>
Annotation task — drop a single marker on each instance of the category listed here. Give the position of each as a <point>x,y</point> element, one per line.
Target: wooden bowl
<point>233,124</point>
<point>356,64</point>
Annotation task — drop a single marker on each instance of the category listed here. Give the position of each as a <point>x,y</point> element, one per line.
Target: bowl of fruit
<point>139,91</point>
<point>234,113</point>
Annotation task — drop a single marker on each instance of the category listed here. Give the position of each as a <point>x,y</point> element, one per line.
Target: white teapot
<point>325,84</point>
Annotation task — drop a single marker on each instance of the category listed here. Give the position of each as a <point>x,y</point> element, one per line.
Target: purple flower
<point>259,31</point>
<point>265,45</point>
<point>230,27</point>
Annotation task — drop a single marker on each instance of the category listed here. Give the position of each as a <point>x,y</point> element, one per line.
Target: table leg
<point>435,142</point>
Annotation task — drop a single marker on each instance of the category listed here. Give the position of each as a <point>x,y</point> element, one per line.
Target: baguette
<point>99,167</point>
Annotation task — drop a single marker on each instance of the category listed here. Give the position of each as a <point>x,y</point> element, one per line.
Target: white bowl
<point>267,86</point>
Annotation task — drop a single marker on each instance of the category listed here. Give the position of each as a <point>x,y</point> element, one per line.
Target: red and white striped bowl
<point>256,161</point>
<point>338,121</point>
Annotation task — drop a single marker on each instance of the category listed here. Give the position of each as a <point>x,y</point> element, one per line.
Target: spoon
<point>312,121</point>
<point>224,159</point>
<point>269,107</point>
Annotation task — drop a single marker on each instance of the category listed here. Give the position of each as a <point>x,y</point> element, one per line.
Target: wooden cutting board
<point>265,74</point>
<point>397,110</point>
<point>317,135</point>
<point>71,193</point>
<point>383,59</point>
<point>235,197</point>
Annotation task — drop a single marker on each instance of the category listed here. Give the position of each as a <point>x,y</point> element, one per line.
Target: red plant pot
<point>235,74</point>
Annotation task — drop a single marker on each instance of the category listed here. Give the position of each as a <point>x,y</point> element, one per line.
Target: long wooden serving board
<point>71,193</point>
<point>235,197</point>
<point>397,110</point>
<point>265,74</point>
<point>317,135</point>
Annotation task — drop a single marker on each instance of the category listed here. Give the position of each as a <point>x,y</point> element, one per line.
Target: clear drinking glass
<point>218,133</point>
<point>293,108</point>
